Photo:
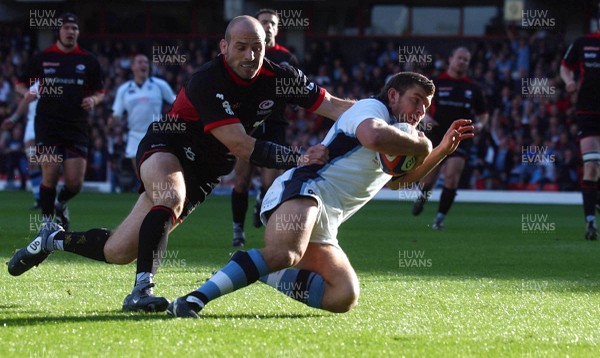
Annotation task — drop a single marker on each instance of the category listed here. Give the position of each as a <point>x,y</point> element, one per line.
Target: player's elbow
<point>373,140</point>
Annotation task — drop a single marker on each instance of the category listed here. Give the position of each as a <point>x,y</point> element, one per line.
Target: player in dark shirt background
<point>584,56</point>
<point>272,129</point>
<point>456,96</point>
<point>70,86</point>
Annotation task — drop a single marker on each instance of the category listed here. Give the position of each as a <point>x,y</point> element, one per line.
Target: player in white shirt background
<point>28,105</point>
<point>142,98</point>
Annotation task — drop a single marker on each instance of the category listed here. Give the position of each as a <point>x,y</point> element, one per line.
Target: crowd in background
<point>530,142</point>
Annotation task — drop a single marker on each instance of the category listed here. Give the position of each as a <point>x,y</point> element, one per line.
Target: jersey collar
<point>243,82</point>
<point>54,48</point>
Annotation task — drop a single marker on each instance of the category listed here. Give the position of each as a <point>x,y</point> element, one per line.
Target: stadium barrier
<point>463,195</point>
<point>490,196</point>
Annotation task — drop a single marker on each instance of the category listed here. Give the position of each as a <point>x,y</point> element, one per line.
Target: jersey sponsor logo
<point>590,55</point>
<point>310,86</point>
<point>189,154</point>
<point>591,48</point>
<point>158,145</point>
<point>227,108</point>
<point>262,113</point>
<point>80,67</point>
<point>49,71</point>
<point>225,104</point>
<point>266,104</point>
<point>50,64</point>
<point>468,93</point>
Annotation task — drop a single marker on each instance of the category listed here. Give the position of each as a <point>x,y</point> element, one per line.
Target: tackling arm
<point>264,153</point>
<point>332,107</point>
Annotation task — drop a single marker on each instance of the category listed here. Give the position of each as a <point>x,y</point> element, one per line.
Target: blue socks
<point>304,286</point>
<point>244,268</point>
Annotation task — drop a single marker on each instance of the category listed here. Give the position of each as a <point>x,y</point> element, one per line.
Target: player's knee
<point>172,199</point>
<point>346,298</point>
<point>242,183</point>
<point>119,254</point>
<point>591,169</point>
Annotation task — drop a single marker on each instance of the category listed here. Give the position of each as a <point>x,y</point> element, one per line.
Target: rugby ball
<point>398,165</point>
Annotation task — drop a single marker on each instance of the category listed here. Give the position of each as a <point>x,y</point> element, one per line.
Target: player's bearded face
<point>411,106</point>
<point>245,55</point>
<point>68,34</point>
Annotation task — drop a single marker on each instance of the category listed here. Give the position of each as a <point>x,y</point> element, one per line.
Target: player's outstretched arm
<point>264,153</point>
<point>460,130</point>
<point>332,107</point>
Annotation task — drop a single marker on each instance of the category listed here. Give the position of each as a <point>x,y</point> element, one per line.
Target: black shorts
<point>69,139</point>
<point>271,131</point>
<point>201,173</point>
<point>463,150</point>
<point>588,125</point>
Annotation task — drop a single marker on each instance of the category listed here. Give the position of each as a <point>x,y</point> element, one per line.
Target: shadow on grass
<point>108,316</point>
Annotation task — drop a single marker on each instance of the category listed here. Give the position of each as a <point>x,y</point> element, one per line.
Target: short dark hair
<point>69,17</point>
<point>266,11</point>
<point>403,81</point>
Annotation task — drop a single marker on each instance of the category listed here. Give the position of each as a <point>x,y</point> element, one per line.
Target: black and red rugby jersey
<point>584,55</point>
<point>215,96</point>
<point>455,98</point>
<point>281,55</point>
<point>65,78</point>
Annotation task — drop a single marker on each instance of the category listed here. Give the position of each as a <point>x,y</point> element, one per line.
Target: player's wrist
<point>272,155</point>
<point>13,118</point>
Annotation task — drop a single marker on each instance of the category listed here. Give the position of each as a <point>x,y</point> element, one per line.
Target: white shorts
<point>298,182</point>
<point>29,129</point>
<point>133,141</point>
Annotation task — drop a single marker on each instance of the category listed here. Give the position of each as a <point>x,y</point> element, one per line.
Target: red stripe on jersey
<point>570,67</point>
<point>431,109</point>
<point>183,108</point>
<point>243,82</point>
<point>278,47</point>
<point>76,50</point>
<point>593,35</point>
<point>446,76</point>
<point>223,122</point>
<point>319,100</point>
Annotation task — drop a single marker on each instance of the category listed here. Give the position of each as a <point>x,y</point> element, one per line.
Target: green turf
<point>482,287</point>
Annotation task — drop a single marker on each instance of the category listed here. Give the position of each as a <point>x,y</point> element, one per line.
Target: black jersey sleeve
<point>293,84</point>
<point>214,107</point>
<point>571,57</point>
<point>96,82</point>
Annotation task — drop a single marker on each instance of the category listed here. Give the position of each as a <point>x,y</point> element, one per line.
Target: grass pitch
<point>501,280</point>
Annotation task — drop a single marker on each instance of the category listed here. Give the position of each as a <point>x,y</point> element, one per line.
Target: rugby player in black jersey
<point>456,96</point>
<point>583,56</point>
<point>272,130</point>
<point>181,159</point>
<point>70,86</point>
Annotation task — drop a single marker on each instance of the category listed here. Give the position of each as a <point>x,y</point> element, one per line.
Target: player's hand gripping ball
<point>398,165</point>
